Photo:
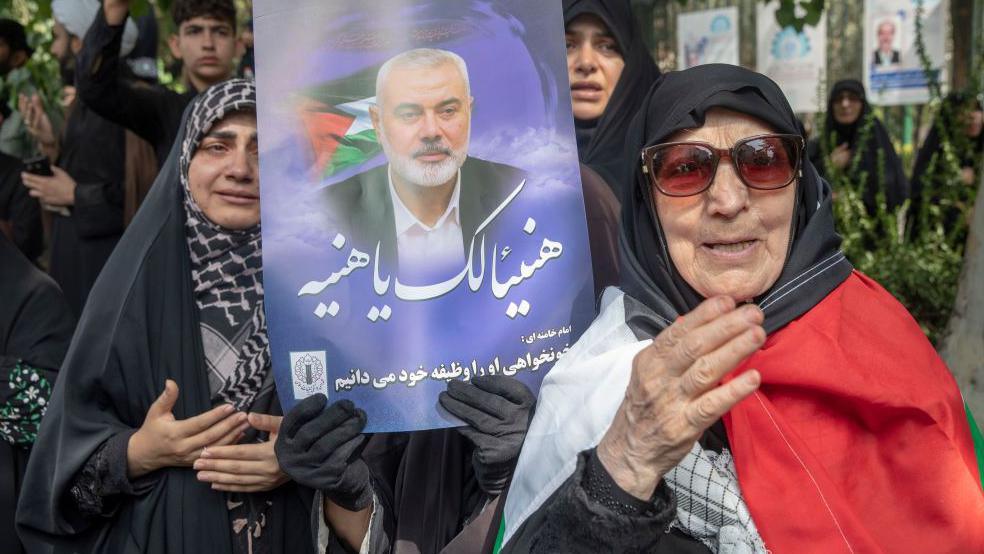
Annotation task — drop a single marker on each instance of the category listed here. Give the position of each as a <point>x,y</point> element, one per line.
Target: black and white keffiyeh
<point>226,268</point>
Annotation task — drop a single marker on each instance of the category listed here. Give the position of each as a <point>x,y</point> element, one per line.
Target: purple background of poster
<point>522,117</point>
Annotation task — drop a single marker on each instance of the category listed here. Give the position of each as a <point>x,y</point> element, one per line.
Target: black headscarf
<point>895,185</point>
<point>141,326</point>
<point>600,141</point>
<point>227,269</point>
<point>656,293</point>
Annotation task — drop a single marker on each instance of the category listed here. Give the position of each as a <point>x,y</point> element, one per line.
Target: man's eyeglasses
<point>764,162</point>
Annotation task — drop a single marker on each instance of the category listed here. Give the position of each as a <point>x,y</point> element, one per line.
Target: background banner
<point>893,74</point>
<point>708,36</point>
<point>360,302</point>
<point>796,61</point>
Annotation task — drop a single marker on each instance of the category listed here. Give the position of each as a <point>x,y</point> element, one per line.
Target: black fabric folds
<point>35,329</point>
<point>600,141</point>
<point>656,293</point>
<point>140,327</point>
<point>894,185</point>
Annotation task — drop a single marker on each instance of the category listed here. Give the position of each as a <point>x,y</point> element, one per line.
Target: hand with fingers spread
<point>673,394</point>
<point>320,448</point>
<point>244,467</point>
<point>497,410</point>
<point>164,441</point>
<point>38,124</point>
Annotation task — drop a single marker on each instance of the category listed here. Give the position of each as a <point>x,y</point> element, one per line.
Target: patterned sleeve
<point>24,394</point>
<point>590,513</point>
<point>103,480</point>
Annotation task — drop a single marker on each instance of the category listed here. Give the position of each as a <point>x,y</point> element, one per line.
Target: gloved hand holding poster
<point>422,211</point>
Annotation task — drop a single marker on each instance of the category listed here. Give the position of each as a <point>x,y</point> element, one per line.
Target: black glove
<point>321,449</point>
<point>497,410</point>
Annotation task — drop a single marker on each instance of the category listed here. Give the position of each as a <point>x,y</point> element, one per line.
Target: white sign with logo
<point>797,61</point>
<point>708,36</point>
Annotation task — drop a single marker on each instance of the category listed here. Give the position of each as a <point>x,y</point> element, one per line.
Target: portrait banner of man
<point>893,72</point>
<point>422,212</point>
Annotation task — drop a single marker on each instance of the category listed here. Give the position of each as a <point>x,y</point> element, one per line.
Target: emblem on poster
<point>309,373</point>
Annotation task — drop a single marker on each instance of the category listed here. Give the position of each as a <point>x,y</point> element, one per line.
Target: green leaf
<point>44,9</point>
<point>139,8</point>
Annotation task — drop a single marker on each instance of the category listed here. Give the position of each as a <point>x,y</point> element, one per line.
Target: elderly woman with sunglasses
<point>746,390</point>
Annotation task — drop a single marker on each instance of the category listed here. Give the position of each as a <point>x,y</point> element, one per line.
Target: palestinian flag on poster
<point>336,121</point>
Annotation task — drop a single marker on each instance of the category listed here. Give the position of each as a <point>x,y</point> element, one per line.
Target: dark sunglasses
<point>764,162</point>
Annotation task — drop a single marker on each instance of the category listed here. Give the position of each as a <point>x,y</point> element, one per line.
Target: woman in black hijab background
<point>610,70</point>
<point>179,302</point>
<point>601,131</point>
<point>852,148</point>
<point>35,329</point>
<point>961,118</point>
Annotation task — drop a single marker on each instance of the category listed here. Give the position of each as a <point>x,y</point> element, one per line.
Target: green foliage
<point>920,269</point>
<point>40,74</point>
<point>798,13</point>
<point>795,13</point>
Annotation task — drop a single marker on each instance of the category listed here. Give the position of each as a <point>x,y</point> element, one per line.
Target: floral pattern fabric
<point>23,404</point>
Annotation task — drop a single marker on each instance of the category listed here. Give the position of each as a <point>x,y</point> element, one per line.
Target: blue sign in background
<point>337,341</point>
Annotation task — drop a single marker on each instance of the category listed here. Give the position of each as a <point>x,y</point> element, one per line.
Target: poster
<point>421,200</point>
<point>796,61</point>
<point>709,36</point>
<point>893,74</point>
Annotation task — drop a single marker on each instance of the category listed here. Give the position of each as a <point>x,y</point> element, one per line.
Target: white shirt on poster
<point>428,252</point>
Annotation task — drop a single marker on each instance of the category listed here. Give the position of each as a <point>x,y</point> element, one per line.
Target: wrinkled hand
<point>497,410</point>
<point>244,467</point>
<point>163,441</point>
<point>673,394</point>
<point>840,156</point>
<point>57,190</point>
<point>321,449</point>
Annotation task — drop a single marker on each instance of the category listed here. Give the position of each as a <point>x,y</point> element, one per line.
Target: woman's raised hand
<point>164,441</point>
<point>673,394</point>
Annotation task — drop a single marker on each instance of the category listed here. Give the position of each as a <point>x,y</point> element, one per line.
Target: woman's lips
<point>239,198</point>
<point>731,250</point>
<point>586,91</point>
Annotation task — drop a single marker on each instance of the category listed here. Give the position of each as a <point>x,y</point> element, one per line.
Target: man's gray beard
<point>424,174</point>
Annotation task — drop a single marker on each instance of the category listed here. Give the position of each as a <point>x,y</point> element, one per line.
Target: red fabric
<point>857,440</point>
<point>324,130</point>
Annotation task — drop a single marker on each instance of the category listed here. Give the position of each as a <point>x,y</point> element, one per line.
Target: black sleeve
<point>101,87</point>
<point>589,513</point>
<point>896,185</point>
<point>23,212</point>
<point>98,209</point>
<point>379,539</point>
<point>103,481</point>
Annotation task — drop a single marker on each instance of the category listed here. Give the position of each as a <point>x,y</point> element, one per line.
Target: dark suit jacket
<point>360,206</point>
<point>895,57</point>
